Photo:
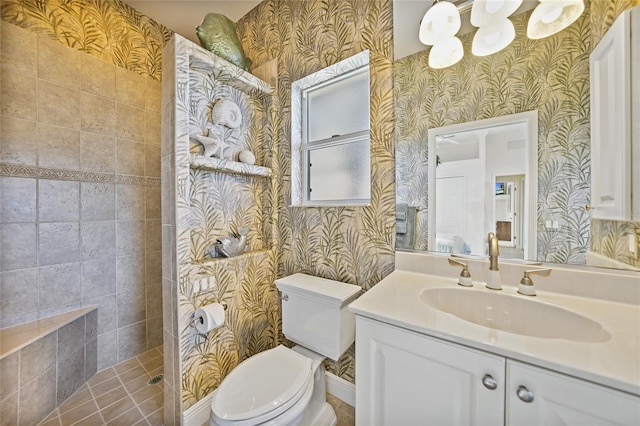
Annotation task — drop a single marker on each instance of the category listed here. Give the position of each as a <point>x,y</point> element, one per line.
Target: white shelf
<point>225,166</point>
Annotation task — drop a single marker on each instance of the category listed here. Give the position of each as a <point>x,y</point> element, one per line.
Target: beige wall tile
<point>57,63</point>
<point>152,160</point>
<point>97,153</point>
<point>130,88</point>
<point>99,277</point>
<point>130,273</point>
<point>58,147</point>
<point>18,49</point>
<point>98,114</point>
<point>130,237</point>
<point>130,123</point>
<point>97,201</point>
<point>152,125</point>
<point>19,297</point>
<point>152,204</point>
<point>19,248</point>
<point>18,92</point>
<point>9,410</point>
<point>129,158</point>
<point>17,200</point>
<point>59,105</point>
<point>70,375</point>
<point>130,201</point>
<point>153,95</point>
<point>38,357</point>
<point>9,375</point>
<point>58,201</point>
<point>98,241</point>
<point>154,236</point>
<point>132,340</point>
<point>98,77</point>
<point>59,285</point>
<point>38,398</point>
<point>58,242</point>
<point>18,142</point>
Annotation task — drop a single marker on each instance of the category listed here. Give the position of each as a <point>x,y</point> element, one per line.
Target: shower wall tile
<point>98,277</point>
<point>97,200</point>
<point>58,147</point>
<point>59,285</point>
<point>19,247</point>
<point>19,141</point>
<point>71,338</point>
<point>98,153</point>
<point>18,92</point>
<point>17,200</point>
<point>98,77</point>
<point>56,64</point>
<point>98,114</point>
<point>9,410</point>
<point>58,242</point>
<point>58,201</point>
<point>37,357</point>
<point>70,375</point>
<point>38,398</point>
<point>154,236</point>
<point>129,157</point>
<point>59,105</point>
<point>130,88</point>
<point>130,273</point>
<point>130,202</point>
<point>18,49</point>
<point>130,123</point>
<point>19,291</point>
<point>98,239</point>
<point>9,375</point>
<point>60,113</point>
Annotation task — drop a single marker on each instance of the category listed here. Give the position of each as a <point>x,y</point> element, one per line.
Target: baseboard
<point>342,389</point>
<point>198,413</point>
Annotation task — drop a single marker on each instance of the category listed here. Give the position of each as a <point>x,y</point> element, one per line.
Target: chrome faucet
<point>493,279</point>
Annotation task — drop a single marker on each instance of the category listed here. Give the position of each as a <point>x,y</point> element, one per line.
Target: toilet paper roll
<point>209,317</point>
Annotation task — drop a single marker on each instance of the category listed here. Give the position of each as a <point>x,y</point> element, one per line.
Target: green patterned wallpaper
<point>550,75</point>
<point>350,244</point>
<point>107,29</point>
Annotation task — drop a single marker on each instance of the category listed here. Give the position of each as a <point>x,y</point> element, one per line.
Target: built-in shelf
<point>225,166</point>
<point>207,260</point>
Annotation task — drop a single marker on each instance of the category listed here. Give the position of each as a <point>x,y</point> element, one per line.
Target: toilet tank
<point>315,315</point>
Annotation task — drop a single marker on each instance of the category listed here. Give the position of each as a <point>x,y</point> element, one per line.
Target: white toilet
<point>285,386</point>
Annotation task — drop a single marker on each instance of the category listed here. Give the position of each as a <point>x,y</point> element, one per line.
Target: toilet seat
<point>263,387</point>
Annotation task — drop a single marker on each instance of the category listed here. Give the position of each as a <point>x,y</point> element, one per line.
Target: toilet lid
<point>262,383</point>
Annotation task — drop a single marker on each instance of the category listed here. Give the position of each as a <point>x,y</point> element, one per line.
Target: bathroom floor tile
<point>120,395</point>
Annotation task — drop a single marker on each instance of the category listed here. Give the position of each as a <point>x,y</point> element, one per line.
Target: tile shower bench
<point>43,362</point>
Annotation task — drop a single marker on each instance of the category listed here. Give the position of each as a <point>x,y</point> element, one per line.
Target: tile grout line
<point>96,403</point>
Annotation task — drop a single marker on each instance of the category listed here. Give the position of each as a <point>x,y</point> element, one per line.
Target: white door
<point>451,205</point>
<point>404,378</point>
<point>549,398</point>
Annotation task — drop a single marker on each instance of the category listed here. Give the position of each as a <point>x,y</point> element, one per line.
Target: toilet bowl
<point>287,386</point>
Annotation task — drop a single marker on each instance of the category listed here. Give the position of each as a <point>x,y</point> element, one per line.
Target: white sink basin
<point>515,314</point>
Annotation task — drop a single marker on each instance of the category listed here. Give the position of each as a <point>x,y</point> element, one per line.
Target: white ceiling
<point>182,16</point>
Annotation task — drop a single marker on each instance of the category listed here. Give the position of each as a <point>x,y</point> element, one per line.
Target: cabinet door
<point>564,400</point>
<point>610,65</point>
<point>405,378</point>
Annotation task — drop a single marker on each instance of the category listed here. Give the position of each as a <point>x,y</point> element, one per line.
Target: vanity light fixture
<point>552,16</point>
<point>495,30</point>
<point>438,29</point>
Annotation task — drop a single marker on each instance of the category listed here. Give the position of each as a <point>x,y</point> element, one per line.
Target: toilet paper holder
<point>198,320</point>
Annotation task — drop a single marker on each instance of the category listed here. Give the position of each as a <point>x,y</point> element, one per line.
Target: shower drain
<point>156,379</point>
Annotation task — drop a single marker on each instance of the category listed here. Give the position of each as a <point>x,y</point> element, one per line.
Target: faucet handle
<point>526,283</point>
<point>465,276</point>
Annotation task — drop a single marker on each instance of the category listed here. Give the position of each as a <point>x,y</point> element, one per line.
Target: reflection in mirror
<point>551,76</point>
<point>485,172</point>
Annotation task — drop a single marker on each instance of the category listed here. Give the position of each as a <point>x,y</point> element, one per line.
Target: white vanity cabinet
<point>407,378</point>
<point>615,121</point>
<point>550,398</point>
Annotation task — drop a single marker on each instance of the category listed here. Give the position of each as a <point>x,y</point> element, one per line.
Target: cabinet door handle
<point>489,382</point>
<point>524,394</point>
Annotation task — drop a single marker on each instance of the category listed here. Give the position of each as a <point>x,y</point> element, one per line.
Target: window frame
<point>301,147</point>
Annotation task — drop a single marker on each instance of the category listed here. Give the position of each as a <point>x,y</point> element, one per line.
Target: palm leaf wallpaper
<point>349,244</point>
<point>107,29</point>
<point>550,75</point>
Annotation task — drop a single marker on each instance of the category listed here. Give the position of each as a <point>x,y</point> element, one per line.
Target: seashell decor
<point>247,157</point>
<point>226,113</point>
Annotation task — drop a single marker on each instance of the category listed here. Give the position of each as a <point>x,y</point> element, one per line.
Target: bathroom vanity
<point>432,352</point>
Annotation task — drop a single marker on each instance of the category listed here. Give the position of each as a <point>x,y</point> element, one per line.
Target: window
<point>330,135</point>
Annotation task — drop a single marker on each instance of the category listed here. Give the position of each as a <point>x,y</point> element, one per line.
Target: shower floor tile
<point>120,395</point>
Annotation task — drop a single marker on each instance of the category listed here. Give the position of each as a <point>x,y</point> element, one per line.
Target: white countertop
<point>615,363</point>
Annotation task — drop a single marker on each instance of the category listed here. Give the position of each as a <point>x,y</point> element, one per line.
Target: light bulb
<point>442,20</point>
<point>553,16</point>
<point>490,39</point>
<point>485,12</point>
<point>446,52</point>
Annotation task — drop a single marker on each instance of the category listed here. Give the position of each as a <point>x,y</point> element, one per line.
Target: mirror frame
<point>531,167</point>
